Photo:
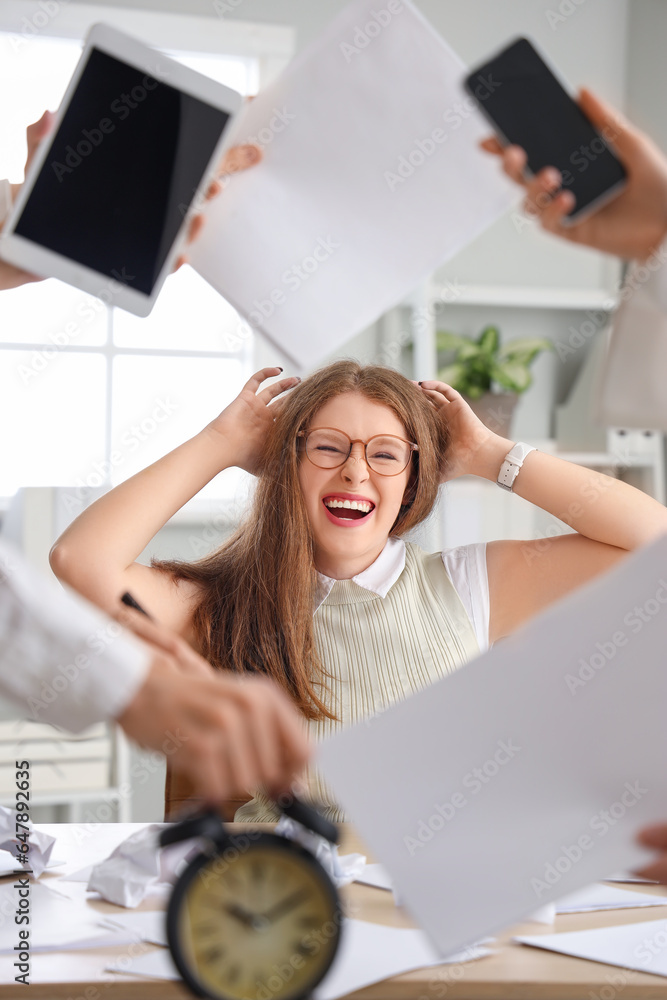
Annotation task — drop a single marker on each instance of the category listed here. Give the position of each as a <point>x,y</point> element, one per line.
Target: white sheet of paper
<point>606,897</point>
<point>629,877</point>
<point>149,925</point>
<point>642,947</point>
<point>56,922</point>
<point>368,954</point>
<point>325,234</point>
<point>375,875</point>
<point>10,866</point>
<point>514,781</point>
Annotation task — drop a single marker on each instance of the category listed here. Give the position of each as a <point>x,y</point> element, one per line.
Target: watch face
<point>258,922</point>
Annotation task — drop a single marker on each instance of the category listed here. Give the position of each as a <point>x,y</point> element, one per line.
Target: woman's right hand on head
<point>634,223</point>
<point>243,426</point>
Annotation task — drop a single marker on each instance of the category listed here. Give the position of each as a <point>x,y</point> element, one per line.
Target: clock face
<point>262,926</point>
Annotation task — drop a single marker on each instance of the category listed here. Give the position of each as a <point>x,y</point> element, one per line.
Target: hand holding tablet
<point>111,196</point>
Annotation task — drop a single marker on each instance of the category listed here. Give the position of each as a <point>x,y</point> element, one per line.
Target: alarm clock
<point>254,916</point>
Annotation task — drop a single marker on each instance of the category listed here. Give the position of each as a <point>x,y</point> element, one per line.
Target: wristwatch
<point>514,459</point>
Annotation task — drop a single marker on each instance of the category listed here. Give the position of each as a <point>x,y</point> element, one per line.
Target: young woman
<point>317,588</point>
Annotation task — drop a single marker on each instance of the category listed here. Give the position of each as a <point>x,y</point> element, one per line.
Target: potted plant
<point>490,375</point>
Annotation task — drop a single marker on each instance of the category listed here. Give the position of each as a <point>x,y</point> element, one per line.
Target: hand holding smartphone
<point>529,107</point>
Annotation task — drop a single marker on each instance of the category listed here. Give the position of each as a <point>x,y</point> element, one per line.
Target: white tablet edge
<point>48,263</point>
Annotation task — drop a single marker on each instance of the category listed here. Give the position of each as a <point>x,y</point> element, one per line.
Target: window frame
<point>269,46</point>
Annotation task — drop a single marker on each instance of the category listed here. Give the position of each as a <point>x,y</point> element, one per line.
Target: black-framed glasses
<point>329,448</point>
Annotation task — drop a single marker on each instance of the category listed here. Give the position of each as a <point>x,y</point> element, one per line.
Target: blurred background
<point>90,394</point>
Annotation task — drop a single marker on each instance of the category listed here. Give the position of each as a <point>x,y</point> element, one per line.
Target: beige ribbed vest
<point>379,650</point>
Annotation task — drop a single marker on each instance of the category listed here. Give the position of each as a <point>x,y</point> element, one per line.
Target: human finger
<point>491,145</point>
<point>238,743</point>
<point>440,390</point>
<point>276,388</point>
<point>261,725</point>
<point>165,640</point>
<point>541,189</point>
<point>36,132</point>
<point>240,158</point>
<point>195,228</point>
<point>292,734</point>
<point>554,214</point>
<point>255,380</point>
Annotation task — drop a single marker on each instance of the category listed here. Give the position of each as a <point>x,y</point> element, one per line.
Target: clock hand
<point>286,905</point>
<point>240,914</point>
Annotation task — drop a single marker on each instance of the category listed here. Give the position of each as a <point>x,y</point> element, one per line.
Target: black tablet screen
<point>122,171</point>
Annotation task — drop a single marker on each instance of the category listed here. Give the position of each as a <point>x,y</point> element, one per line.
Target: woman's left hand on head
<point>470,439</point>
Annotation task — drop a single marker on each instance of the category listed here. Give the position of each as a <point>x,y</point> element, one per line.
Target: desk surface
<point>514,973</point>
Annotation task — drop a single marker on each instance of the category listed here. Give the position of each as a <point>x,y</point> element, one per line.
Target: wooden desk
<point>515,973</point>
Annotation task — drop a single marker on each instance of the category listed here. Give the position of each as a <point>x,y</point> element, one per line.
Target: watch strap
<point>512,464</point>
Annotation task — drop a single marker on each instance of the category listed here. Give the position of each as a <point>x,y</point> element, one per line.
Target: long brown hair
<point>256,608</point>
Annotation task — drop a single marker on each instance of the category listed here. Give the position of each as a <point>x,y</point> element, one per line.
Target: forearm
<point>108,536</point>
<point>596,506</point>
<point>63,662</point>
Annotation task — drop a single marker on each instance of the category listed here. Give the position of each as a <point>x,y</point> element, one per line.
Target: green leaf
<point>454,375</point>
<point>445,341</point>
<point>489,339</point>
<point>524,349</point>
<point>512,375</point>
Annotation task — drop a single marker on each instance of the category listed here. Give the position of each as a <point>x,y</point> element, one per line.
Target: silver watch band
<point>512,463</point>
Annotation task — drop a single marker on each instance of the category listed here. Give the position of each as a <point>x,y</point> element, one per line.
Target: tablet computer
<point>107,200</point>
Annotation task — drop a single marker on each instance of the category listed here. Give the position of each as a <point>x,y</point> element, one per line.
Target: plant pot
<point>495,410</point>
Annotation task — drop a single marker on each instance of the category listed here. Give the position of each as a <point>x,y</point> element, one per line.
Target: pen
<point>131,603</point>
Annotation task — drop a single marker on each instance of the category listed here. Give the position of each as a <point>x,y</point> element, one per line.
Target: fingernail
<point>418,383</point>
<point>279,368</point>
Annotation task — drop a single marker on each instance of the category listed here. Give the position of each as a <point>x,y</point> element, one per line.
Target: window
<point>90,394</point>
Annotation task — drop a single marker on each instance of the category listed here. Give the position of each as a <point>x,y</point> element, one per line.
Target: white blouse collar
<point>379,577</point>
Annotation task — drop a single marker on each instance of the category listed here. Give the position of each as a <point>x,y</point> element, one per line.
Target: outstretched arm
<point>610,517</point>
<point>97,553</point>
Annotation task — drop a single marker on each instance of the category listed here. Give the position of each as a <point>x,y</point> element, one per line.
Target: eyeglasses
<point>328,448</point>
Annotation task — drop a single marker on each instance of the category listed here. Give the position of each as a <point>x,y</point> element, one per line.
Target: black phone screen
<point>524,101</point>
<point>122,171</point>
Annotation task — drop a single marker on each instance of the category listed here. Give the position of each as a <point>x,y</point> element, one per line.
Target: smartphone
<point>529,107</point>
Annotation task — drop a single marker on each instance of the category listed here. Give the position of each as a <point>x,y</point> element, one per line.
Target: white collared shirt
<point>62,661</point>
<point>465,566</point>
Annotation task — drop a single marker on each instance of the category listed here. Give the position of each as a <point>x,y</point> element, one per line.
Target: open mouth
<point>342,509</point>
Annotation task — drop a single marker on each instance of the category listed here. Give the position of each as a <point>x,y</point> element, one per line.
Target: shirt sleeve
<point>466,568</point>
<point>61,660</point>
<point>631,391</point>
